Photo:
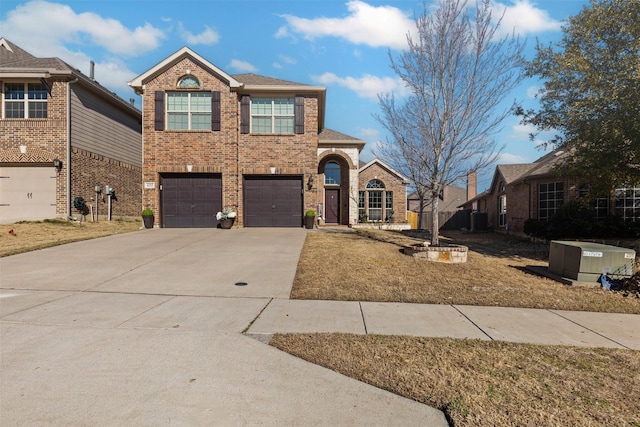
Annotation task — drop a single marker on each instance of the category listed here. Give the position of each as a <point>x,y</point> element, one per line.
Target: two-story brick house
<point>250,143</point>
<point>61,135</point>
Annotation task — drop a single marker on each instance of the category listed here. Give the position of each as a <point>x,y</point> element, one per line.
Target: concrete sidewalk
<point>151,328</point>
<point>522,325</point>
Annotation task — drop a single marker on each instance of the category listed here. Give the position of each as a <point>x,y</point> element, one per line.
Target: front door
<point>332,205</point>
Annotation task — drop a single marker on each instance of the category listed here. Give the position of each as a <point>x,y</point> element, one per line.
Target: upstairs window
<point>272,115</point>
<point>189,110</point>
<point>25,101</point>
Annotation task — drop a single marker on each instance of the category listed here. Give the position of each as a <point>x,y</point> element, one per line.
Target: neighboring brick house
<point>382,193</point>
<point>61,135</point>
<point>533,190</point>
<point>250,143</point>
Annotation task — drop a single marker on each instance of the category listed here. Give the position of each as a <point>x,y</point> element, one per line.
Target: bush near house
<point>576,221</point>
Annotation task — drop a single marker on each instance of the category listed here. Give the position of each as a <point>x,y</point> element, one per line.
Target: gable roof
<point>138,82</point>
<point>15,62</point>
<point>244,83</point>
<point>517,173</point>
<point>336,139</point>
<point>384,166</point>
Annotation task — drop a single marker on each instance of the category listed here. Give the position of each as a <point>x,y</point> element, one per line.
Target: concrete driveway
<point>145,329</point>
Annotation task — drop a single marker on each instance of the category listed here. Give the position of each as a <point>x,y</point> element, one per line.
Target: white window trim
<point>188,111</point>
<point>273,115</point>
<point>25,100</point>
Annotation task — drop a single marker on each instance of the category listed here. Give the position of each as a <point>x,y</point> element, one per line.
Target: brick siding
<point>391,183</point>
<point>226,151</point>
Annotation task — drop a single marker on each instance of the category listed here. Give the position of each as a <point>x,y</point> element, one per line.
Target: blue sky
<point>343,45</point>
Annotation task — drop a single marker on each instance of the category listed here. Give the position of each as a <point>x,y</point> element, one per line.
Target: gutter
<point>68,207</point>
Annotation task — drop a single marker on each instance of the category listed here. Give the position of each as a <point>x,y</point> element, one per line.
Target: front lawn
<point>369,266</point>
<point>475,383</point>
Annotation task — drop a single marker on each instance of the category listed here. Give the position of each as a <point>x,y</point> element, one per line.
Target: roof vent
<point>92,66</point>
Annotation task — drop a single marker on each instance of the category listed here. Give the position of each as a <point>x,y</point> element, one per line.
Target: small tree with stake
<point>457,72</point>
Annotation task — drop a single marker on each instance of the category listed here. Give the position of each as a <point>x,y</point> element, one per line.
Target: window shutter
<point>299,114</point>
<point>159,110</point>
<point>245,113</point>
<point>215,111</point>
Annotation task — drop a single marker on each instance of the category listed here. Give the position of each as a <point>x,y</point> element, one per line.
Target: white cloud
<point>367,86</point>
<point>242,66</point>
<point>522,132</point>
<point>532,91</point>
<point>369,134</point>
<point>523,18</point>
<point>508,158</point>
<point>366,24</point>
<point>206,37</point>
<point>42,28</point>
<point>114,75</point>
<point>287,60</point>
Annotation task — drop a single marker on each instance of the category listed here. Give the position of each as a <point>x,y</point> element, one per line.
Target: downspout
<point>69,146</point>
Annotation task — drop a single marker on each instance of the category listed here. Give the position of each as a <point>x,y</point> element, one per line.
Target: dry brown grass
<point>369,266</point>
<point>31,235</point>
<point>479,383</point>
<point>476,383</point>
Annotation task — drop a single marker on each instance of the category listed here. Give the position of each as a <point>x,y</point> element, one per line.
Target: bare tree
<point>457,72</point>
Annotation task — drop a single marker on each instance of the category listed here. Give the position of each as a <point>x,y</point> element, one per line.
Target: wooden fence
<point>447,220</point>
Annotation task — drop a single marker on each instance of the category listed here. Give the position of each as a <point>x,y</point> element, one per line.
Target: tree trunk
<point>420,211</point>
<point>435,225</point>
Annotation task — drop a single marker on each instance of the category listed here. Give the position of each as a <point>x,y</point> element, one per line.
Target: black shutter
<point>215,111</point>
<point>159,112</point>
<point>299,114</point>
<point>245,113</point>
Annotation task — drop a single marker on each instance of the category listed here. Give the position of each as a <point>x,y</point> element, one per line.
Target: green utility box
<point>585,261</point>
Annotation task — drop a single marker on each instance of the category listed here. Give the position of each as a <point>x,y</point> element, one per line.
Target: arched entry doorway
<point>335,172</point>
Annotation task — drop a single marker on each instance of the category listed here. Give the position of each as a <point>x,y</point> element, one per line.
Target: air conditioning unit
<point>585,261</point>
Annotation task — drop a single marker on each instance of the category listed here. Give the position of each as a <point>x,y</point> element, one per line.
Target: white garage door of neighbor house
<point>27,193</point>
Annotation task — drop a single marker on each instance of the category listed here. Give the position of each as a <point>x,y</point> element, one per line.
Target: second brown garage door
<point>272,201</point>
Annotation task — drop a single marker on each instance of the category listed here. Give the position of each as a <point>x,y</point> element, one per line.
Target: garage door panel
<point>273,202</point>
<point>27,193</point>
<point>191,201</point>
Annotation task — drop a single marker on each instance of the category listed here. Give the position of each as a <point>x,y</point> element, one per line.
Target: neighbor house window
<point>599,205</point>
<point>379,202</point>
<point>189,110</point>
<point>272,115</point>
<point>362,206</point>
<point>550,199</point>
<point>332,173</point>
<point>388,204</point>
<point>25,101</point>
<point>628,203</point>
<point>502,210</point>
<point>375,205</point>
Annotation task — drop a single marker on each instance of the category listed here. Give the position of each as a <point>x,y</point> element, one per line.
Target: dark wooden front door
<point>272,201</point>
<point>190,200</point>
<point>332,205</point>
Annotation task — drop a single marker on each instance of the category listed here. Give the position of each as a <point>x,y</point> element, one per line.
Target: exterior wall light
<point>57,163</point>
<point>310,182</point>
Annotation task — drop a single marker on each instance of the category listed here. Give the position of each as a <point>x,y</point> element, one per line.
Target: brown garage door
<point>272,201</point>
<point>190,200</point>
